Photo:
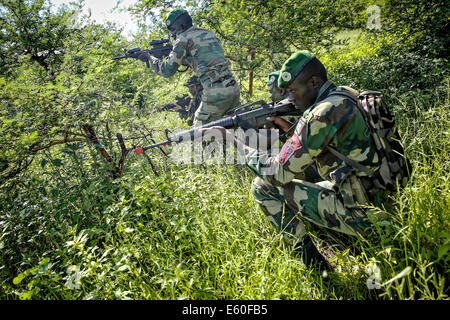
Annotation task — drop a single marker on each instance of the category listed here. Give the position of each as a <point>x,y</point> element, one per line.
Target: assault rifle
<point>182,102</point>
<point>244,117</point>
<point>158,50</point>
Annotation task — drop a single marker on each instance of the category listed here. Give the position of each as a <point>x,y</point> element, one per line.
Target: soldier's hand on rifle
<point>176,107</point>
<point>282,123</point>
<point>144,56</point>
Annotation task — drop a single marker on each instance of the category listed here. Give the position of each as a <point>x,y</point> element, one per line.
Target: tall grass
<point>194,232</point>
<point>418,235</point>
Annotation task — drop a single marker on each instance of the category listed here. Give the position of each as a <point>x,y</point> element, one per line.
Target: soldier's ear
<point>315,82</point>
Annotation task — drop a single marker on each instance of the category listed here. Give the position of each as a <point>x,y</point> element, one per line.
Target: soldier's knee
<point>256,187</point>
<point>262,190</point>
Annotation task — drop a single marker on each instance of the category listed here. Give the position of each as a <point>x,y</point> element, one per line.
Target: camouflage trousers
<point>216,100</point>
<point>287,206</point>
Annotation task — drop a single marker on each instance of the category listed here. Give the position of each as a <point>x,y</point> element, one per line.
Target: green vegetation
<point>82,219</point>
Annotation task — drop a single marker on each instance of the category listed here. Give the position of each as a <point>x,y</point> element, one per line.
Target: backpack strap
<point>351,162</point>
<point>343,93</point>
<point>355,98</point>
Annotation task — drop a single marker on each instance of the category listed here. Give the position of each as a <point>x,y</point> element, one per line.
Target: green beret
<point>174,15</point>
<point>273,78</point>
<point>293,66</point>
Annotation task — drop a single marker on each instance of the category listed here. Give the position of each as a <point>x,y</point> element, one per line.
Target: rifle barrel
<point>121,57</point>
<point>232,121</point>
<point>156,145</point>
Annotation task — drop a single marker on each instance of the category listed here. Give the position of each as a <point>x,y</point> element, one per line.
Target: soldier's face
<point>276,94</point>
<point>302,93</point>
<point>173,31</point>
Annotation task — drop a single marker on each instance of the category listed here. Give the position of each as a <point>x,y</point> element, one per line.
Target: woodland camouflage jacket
<point>333,121</point>
<point>201,50</point>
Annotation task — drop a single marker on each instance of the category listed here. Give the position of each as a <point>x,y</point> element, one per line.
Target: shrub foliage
<point>83,218</point>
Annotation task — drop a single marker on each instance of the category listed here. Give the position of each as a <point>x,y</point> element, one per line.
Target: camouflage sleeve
<point>299,151</point>
<point>169,66</point>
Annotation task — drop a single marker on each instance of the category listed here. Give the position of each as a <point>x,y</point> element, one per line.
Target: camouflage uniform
<point>196,90</point>
<point>333,121</point>
<point>278,95</point>
<point>202,51</point>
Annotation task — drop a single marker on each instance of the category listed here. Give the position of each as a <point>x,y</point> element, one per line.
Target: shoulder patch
<point>289,148</point>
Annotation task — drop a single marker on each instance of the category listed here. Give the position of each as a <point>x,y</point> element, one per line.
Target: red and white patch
<point>290,147</point>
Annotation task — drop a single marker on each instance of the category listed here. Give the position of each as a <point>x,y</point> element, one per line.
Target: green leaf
<point>57,162</point>
<point>29,138</point>
<point>26,295</point>
<point>123,268</point>
<point>443,250</point>
<point>19,278</point>
<point>66,151</point>
<point>43,163</point>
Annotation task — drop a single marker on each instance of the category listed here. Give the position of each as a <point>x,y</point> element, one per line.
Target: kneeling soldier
<point>330,121</point>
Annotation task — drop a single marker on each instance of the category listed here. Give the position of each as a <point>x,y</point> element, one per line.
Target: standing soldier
<point>331,124</point>
<point>201,50</point>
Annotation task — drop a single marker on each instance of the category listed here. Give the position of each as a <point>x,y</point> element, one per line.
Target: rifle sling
<point>351,162</point>
<point>339,155</point>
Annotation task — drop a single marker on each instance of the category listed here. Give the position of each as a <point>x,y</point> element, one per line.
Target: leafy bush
<point>77,221</point>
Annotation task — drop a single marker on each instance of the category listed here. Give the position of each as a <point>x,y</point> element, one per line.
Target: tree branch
<point>125,151</point>
<point>54,143</point>
<point>89,130</point>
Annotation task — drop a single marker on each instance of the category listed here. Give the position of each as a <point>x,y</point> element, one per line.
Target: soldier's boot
<point>312,258</point>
